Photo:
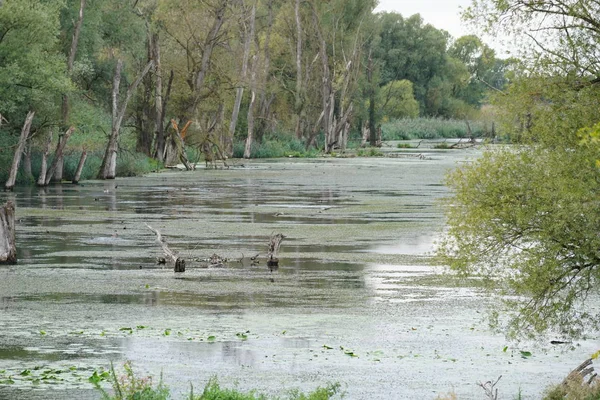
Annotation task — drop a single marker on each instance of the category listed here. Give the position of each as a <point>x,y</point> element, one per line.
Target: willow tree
<point>526,217</point>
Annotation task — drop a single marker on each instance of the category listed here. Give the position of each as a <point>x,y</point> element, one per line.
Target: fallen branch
<point>169,254</point>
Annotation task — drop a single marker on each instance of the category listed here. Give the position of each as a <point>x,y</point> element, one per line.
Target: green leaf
<point>327,347</point>
<point>525,354</point>
<point>42,333</point>
<point>211,338</point>
<point>505,348</point>
<point>25,372</point>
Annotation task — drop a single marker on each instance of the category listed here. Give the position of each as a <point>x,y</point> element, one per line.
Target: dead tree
<point>169,254</point>
<point>8,248</point>
<point>12,177</point>
<point>58,154</point>
<point>80,166</point>
<point>274,243</point>
<point>44,168</point>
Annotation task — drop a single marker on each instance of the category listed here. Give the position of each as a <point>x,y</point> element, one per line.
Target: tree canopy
<point>525,217</point>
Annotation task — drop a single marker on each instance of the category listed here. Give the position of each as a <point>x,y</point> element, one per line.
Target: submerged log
<point>169,254</point>
<point>8,248</point>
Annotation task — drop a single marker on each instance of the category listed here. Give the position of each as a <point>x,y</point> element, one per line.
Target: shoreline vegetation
<point>133,163</point>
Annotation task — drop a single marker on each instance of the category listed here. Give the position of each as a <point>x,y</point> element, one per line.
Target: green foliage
<point>128,386</point>
<point>274,146</point>
<point>396,100</point>
<point>430,128</point>
<point>32,69</point>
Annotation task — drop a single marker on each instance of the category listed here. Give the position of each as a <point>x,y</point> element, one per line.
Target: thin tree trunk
<point>372,130</point>
<point>80,167</point>
<point>8,247</point>
<point>27,163</point>
<point>158,99</point>
<point>249,36</point>
<point>109,162</point>
<point>160,133</point>
<point>249,139</point>
<point>12,176</point>
<point>265,97</point>
<point>209,45</point>
<point>299,98</point>
<point>58,154</point>
<point>58,172</point>
<point>42,178</point>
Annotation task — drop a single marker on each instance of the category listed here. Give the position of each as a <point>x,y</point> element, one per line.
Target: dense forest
<point>139,84</point>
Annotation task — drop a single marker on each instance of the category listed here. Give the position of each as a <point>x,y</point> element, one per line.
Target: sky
<point>443,14</point>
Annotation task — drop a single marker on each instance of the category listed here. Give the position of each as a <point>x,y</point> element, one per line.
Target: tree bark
<point>109,162</point>
<point>27,163</point>
<point>44,168</point>
<point>158,100</point>
<point>248,147</point>
<point>12,176</point>
<point>8,248</point>
<point>80,167</point>
<point>58,154</point>
<point>209,45</point>
<point>372,130</point>
<point>249,36</point>
<point>299,98</point>
<point>58,172</point>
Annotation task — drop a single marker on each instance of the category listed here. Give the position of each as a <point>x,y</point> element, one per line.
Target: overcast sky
<point>443,14</point>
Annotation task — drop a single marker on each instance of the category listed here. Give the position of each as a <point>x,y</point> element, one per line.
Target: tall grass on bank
<point>274,146</point>
<point>129,386</point>
<point>431,128</point>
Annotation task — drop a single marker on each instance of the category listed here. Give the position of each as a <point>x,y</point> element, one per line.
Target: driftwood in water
<point>8,248</point>
<point>169,254</point>
<point>274,243</point>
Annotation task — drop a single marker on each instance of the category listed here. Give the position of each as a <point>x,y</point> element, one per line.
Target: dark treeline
<point>139,80</point>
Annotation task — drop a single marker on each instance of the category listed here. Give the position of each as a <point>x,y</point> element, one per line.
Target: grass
<point>275,146</point>
<point>430,128</point>
<point>128,386</point>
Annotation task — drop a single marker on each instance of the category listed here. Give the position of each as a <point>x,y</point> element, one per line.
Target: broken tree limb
<point>169,254</point>
<point>8,248</point>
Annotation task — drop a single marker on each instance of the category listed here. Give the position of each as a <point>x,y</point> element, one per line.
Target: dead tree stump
<point>274,243</point>
<point>169,254</point>
<point>8,247</point>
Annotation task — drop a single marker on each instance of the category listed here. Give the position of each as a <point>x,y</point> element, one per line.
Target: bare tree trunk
<point>27,163</point>
<point>160,132</point>
<point>249,36</point>
<point>158,99</point>
<point>42,178</point>
<point>328,95</point>
<point>58,172</point>
<point>372,131</point>
<point>12,176</point>
<point>58,154</point>
<point>8,247</point>
<point>266,98</point>
<point>249,139</point>
<point>299,98</point>
<point>80,167</point>
<point>109,162</point>
<point>209,45</point>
